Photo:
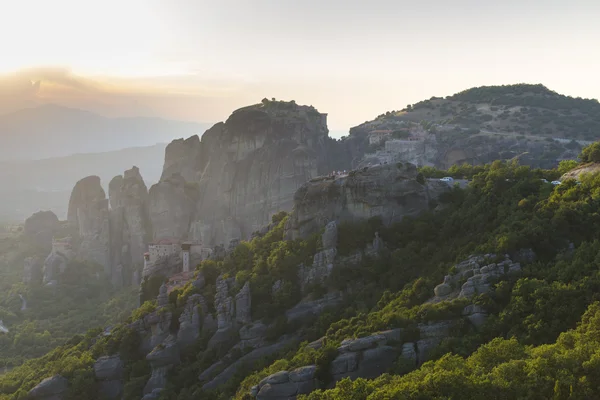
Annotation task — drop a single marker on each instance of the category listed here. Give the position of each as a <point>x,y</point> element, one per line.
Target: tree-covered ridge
<point>500,369</point>
<point>507,208</point>
<point>526,95</point>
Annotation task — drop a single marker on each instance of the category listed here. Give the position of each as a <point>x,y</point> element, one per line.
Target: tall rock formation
<point>86,191</point>
<point>388,191</point>
<point>114,237</point>
<point>247,169</point>
<point>171,206</point>
<point>129,193</point>
<point>39,229</point>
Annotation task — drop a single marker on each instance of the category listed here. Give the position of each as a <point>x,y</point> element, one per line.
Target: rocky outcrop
<point>86,191</point>
<point>94,233</point>
<point>248,168</point>
<point>163,298</point>
<point>225,308</point>
<point>53,388</point>
<point>153,329</point>
<point>430,336</point>
<point>32,270</point>
<point>190,321</point>
<point>115,237</point>
<point>476,314</point>
<point>164,357</point>
<point>286,385</point>
<point>322,261</point>
<point>474,276</point>
<point>247,360</point>
<point>390,192</point>
<point>171,204</point>
<point>306,310</point>
<point>39,229</point>
<point>109,373</point>
<point>577,173</point>
<point>183,157</point>
<point>243,303</point>
<point>129,194</point>
<point>56,262</point>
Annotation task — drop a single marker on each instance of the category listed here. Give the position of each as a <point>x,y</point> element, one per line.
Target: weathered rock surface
<point>153,329</point>
<point>190,322</point>
<point>286,385</point>
<point>109,373</point>
<point>388,191</point>
<point>129,192</point>
<point>53,388</point>
<point>249,167</point>
<point>163,298</point>
<point>171,203</point>
<point>183,157</point>
<point>246,360</point>
<point>86,191</point>
<point>225,308</point>
<point>476,314</point>
<point>430,336</point>
<point>474,276</point>
<point>40,227</point>
<point>243,302</point>
<point>162,359</point>
<point>88,209</point>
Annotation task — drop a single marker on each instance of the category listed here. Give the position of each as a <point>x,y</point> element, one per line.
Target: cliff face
<point>114,237</point>
<point>388,191</point>
<point>246,169</point>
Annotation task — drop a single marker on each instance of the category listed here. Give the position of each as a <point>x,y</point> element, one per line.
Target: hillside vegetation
<point>539,341</point>
<point>521,109</point>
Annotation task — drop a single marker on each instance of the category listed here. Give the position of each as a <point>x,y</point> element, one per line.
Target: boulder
<point>53,388</point>
<point>361,343</point>
<point>277,391</point>
<point>376,361</point>
<point>303,373</point>
<point>346,362</point>
<point>108,368</point>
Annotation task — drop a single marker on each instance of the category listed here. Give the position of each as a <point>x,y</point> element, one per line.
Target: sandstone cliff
<point>388,191</point>
<point>114,237</point>
<point>246,169</point>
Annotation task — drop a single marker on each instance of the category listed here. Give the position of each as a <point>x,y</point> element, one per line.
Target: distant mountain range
<point>30,186</point>
<point>55,131</point>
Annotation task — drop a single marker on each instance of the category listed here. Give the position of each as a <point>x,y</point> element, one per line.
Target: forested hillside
<point>536,338</point>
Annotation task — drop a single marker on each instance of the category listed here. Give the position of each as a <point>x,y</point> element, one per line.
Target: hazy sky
<point>199,60</point>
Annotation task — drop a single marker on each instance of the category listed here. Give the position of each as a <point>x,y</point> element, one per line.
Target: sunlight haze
<point>199,60</point>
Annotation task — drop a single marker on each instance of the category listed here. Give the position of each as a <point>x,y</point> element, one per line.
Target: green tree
<point>590,153</point>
